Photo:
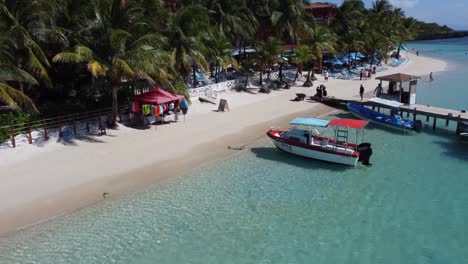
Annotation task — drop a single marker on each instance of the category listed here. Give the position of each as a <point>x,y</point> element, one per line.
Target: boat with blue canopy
<point>305,140</point>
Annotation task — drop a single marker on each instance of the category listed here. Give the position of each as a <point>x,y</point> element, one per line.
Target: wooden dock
<point>415,109</point>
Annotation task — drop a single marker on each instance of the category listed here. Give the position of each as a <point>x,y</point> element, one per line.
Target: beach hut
<point>157,105</point>
<point>401,88</point>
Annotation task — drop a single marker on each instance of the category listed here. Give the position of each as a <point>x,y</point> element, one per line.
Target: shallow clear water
<point>266,206</point>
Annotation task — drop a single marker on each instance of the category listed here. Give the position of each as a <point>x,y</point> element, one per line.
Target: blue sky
<point>453,13</point>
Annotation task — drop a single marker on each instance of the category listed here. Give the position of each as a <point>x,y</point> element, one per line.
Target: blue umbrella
<point>335,61</point>
<point>358,54</point>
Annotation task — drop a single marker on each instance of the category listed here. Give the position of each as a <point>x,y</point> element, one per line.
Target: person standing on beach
<point>360,75</point>
<point>430,77</point>
<point>361,92</point>
<point>417,52</point>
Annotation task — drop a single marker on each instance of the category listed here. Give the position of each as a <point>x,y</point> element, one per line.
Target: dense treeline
<point>80,53</point>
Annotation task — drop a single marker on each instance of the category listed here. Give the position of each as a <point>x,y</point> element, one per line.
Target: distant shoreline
<point>435,36</point>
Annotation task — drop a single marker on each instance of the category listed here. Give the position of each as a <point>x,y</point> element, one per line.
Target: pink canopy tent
<point>157,96</point>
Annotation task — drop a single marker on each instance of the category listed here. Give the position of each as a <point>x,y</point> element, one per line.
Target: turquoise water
<point>265,206</point>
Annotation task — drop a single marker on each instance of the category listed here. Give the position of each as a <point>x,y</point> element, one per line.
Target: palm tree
<point>117,55</point>
<point>220,52</point>
<point>27,24</point>
<point>319,41</point>
<point>268,55</point>
<point>188,29</point>
<point>303,56</point>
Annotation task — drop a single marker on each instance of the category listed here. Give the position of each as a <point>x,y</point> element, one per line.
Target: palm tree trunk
<point>349,59</point>
<point>268,76</point>
<point>308,82</point>
<point>398,51</point>
<point>115,106</point>
<point>281,72</point>
<point>313,71</point>
<point>261,78</point>
<point>217,72</point>
<point>297,74</point>
<point>194,76</point>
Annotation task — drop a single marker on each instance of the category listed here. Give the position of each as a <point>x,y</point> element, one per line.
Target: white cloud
<point>404,3</point>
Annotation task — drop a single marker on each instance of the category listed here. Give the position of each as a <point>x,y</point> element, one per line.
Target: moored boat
<point>392,121</point>
<point>303,139</point>
<point>462,130</point>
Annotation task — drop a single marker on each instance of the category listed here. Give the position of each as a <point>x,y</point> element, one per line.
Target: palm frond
<point>16,99</point>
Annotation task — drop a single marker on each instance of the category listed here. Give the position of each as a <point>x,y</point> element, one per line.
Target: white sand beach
<point>40,182</point>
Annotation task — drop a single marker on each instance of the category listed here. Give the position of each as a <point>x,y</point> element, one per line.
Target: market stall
<point>158,105</point>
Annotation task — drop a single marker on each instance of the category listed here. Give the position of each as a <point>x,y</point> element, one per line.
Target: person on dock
<point>361,92</point>
<point>430,77</point>
<point>378,90</point>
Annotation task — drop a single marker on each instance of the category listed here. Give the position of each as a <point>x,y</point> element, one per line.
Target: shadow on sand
<point>274,154</point>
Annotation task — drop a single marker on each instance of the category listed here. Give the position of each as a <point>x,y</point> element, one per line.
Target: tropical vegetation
<point>59,55</point>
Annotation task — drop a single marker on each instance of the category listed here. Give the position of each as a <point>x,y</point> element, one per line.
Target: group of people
<point>367,73</point>
<point>321,91</point>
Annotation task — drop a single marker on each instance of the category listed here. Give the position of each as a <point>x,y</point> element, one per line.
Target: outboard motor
<point>417,125</point>
<point>365,152</point>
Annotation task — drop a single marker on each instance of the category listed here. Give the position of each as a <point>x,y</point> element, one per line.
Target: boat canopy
<point>385,102</point>
<point>310,121</point>
<point>349,123</point>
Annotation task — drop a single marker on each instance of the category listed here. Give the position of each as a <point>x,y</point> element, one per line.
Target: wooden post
<point>46,136</point>
<point>74,125</point>
<point>447,122</point>
<point>414,115</point>
<point>407,113</point>
<point>434,125</point>
<point>378,109</point>
<point>373,107</point>
<point>12,131</point>
<point>401,112</point>
<point>87,122</point>
<point>427,118</point>
<point>29,133</point>
<point>60,125</point>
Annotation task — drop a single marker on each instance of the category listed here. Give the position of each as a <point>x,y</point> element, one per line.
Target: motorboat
<point>303,139</point>
<point>394,120</point>
<point>462,130</point>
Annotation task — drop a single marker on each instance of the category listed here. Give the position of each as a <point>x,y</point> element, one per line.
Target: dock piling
<point>434,124</point>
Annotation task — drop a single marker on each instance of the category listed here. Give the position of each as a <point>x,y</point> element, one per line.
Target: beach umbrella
<point>358,55</point>
<point>335,61</point>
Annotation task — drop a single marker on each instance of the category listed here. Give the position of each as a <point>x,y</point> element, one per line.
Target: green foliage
<point>12,119</point>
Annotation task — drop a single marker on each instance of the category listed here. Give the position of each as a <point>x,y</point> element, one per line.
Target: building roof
<point>320,5</point>
<point>398,77</point>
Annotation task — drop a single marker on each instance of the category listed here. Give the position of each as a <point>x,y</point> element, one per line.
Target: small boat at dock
<point>394,120</point>
<point>304,140</point>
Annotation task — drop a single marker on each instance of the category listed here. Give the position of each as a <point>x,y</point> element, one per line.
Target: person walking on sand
<point>417,52</point>
<point>430,77</point>
<point>361,92</point>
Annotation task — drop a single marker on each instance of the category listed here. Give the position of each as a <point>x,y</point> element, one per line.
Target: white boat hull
<point>314,154</point>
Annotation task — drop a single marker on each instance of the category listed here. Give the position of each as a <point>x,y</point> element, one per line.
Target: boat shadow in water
<point>275,154</point>
<point>454,148</point>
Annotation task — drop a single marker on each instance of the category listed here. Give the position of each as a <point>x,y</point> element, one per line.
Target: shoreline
<point>63,179</point>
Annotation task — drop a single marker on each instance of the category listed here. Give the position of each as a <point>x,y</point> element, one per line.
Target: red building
<point>323,12</point>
